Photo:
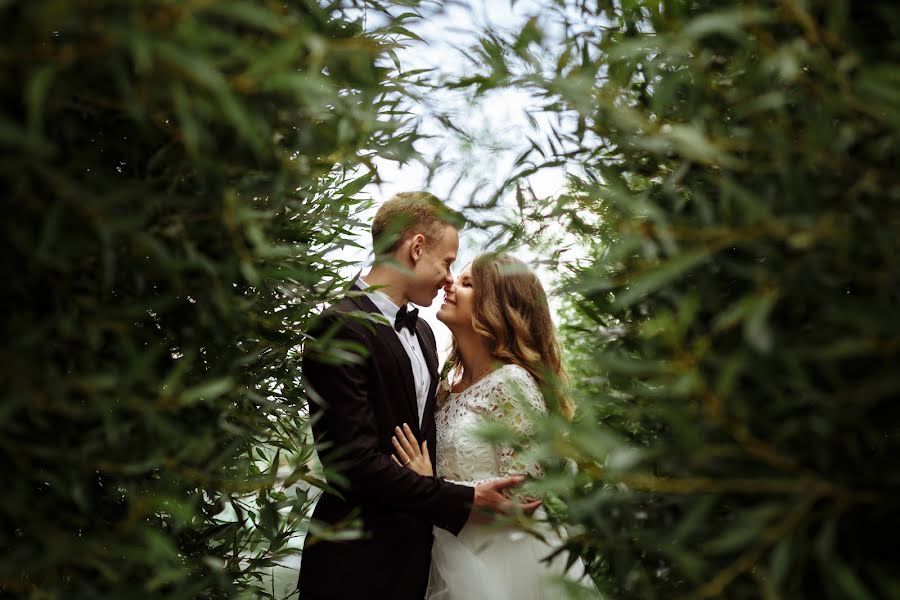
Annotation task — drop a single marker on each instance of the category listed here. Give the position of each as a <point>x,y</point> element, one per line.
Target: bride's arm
<point>512,401</point>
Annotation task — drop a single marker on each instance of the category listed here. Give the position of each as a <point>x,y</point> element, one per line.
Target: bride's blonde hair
<point>510,309</point>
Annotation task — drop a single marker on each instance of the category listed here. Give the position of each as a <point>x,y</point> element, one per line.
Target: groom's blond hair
<point>407,214</point>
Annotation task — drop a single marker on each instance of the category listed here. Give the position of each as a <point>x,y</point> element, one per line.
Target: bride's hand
<point>411,455</point>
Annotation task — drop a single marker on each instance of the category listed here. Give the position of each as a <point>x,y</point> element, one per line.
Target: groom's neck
<point>389,282</point>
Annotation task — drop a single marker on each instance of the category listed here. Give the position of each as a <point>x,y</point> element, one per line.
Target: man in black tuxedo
<point>356,405</point>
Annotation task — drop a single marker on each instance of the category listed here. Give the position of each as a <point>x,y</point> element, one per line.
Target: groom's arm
<point>346,429</point>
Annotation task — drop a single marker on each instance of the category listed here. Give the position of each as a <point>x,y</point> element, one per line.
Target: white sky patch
<point>497,122</point>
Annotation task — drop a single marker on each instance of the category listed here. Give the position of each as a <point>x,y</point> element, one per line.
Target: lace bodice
<point>507,395</point>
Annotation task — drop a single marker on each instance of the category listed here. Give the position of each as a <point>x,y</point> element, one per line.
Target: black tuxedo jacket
<point>354,408</point>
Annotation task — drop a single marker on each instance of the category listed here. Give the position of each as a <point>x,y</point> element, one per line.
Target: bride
<point>504,353</point>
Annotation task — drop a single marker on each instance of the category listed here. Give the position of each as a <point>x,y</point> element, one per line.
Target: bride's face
<point>456,311</point>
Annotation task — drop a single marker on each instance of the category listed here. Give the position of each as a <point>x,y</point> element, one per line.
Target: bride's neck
<point>474,354</point>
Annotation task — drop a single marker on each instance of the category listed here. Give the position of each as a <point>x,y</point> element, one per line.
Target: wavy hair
<point>510,309</point>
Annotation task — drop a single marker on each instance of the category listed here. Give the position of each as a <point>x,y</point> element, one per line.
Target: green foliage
<point>733,327</point>
<point>174,174</point>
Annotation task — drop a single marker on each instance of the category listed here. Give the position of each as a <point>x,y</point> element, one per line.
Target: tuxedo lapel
<point>430,360</point>
<point>389,337</point>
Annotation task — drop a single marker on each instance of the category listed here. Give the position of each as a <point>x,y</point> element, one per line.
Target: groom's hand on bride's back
<point>489,500</point>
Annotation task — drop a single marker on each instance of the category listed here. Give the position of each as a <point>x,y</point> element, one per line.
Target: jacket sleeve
<point>347,435</point>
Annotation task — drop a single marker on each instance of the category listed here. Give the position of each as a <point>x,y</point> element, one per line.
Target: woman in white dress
<point>504,354</point>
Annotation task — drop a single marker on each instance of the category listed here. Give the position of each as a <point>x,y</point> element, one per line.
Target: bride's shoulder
<point>517,380</point>
<point>514,372</point>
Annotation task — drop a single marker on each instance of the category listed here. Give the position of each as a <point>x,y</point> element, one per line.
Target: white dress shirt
<point>410,343</point>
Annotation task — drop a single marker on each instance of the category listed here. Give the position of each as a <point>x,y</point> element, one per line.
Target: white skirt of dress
<point>485,562</point>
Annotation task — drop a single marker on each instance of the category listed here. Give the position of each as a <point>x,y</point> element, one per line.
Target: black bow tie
<point>406,319</point>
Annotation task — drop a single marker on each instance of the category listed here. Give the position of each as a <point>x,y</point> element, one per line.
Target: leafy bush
<point>174,175</point>
<point>733,331</point>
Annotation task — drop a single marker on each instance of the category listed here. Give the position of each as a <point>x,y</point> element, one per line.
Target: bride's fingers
<point>404,456</point>
<point>411,438</point>
<point>401,437</point>
<point>394,456</point>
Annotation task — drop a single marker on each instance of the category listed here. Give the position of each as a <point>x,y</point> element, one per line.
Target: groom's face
<point>432,269</point>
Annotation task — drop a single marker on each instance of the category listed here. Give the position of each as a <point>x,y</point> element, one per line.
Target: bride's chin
<point>444,315</point>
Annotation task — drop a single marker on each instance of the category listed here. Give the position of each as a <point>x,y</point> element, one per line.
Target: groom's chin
<point>423,302</point>
<point>429,300</point>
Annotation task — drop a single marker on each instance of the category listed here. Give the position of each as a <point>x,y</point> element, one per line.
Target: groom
<point>356,405</point>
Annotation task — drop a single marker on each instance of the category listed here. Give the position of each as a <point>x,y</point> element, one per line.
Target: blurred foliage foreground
<point>173,174</point>
<point>734,341</point>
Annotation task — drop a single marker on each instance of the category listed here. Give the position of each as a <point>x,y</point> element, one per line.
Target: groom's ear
<point>416,246</point>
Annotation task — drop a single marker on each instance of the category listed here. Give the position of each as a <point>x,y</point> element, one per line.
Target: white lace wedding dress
<point>484,561</point>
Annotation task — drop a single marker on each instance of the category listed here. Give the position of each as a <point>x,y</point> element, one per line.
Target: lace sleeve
<point>512,400</point>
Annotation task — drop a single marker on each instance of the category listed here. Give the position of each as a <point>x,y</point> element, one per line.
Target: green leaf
<point>757,331</point>
<point>36,97</point>
<point>744,530</point>
<point>780,562</point>
<point>652,279</point>
<point>208,390</point>
<point>730,22</point>
<point>848,581</point>
<point>248,13</point>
